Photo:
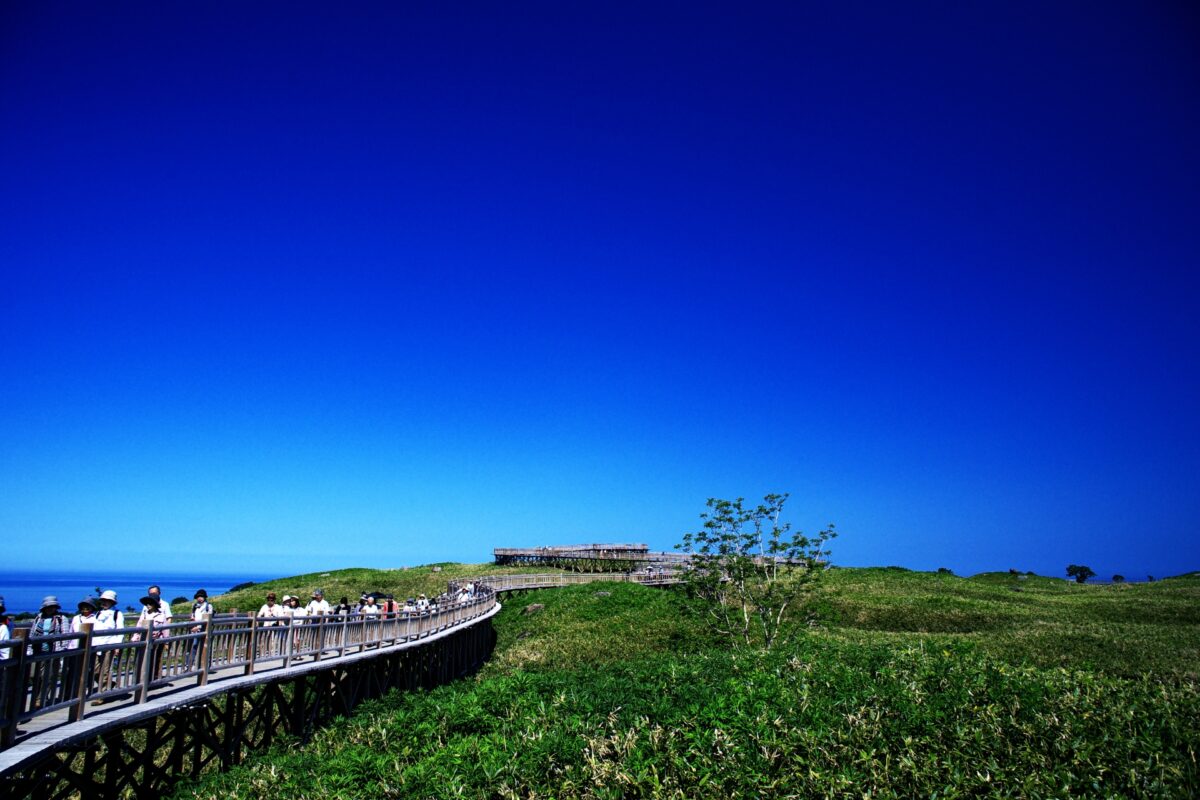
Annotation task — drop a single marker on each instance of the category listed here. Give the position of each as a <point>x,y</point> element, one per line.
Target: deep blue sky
<point>292,287</point>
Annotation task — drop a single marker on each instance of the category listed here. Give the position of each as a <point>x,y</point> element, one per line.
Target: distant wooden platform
<point>560,554</point>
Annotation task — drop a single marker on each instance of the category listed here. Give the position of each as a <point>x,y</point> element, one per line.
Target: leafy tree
<point>1080,573</point>
<point>1118,578</point>
<point>750,571</point>
<point>945,571</point>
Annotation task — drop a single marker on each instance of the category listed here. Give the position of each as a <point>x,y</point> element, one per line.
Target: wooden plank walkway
<point>54,730</point>
<point>57,731</point>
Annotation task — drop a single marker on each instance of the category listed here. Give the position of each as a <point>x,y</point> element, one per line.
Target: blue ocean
<point>23,591</point>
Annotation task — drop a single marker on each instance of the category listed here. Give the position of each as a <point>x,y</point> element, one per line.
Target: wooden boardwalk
<point>233,660</point>
<point>639,554</point>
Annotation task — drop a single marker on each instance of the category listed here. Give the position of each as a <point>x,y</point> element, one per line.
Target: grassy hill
<point>1127,629</point>
<point>916,685</point>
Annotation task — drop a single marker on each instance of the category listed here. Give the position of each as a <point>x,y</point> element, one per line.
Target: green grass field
<point>911,685</point>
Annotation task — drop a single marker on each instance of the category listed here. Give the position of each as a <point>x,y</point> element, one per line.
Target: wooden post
<point>202,678</point>
<point>252,645</point>
<point>16,689</point>
<point>81,684</point>
<point>287,653</point>
<point>143,692</point>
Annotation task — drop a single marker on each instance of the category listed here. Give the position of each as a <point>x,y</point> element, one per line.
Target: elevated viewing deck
<point>560,555</point>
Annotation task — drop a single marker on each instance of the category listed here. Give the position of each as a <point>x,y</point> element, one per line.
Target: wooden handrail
<point>147,657</point>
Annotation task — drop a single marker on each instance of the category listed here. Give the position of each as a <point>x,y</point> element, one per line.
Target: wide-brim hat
<point>318,593</point>
<point>109,595</point>
<point>149,600</point>
<point>89,601</point>
<point>286,597</point>
<point>50,600</point>
<point>200,593</point>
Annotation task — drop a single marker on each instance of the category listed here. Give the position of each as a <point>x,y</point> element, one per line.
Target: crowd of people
<point>275,609</point>
<point>103,613</point>
<point>106,620</point>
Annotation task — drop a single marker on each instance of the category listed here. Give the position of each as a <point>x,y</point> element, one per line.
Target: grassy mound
<point>1127,629</point>
<point>623,695</point>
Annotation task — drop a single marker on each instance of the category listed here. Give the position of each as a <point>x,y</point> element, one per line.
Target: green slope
<point>622,695</point>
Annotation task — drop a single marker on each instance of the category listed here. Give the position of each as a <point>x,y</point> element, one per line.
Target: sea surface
<point>23,591</point>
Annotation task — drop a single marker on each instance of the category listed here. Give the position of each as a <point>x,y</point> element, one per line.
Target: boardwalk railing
<point>67,672</point>
<point>45,674</point>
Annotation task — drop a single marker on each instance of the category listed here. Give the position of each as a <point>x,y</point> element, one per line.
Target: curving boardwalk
<point>172,685</point>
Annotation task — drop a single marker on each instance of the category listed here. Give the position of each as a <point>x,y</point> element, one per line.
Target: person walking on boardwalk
<point>50,621</point>
<point>293,608</point>
<point>298,613</point>
<point>109,618</point>
<point>51,677</point>
<point>86,616</point>
<point>201,608</point>
<point>5,635</point>
<point>270,614</point>
<point>201,611</point>
<point>343,607</point>
<point>369,608</point>
<point>5,631</point>
<point>318,605</point>
<point>270,611</point>
<point>155,592</point>
<point>153,614</point>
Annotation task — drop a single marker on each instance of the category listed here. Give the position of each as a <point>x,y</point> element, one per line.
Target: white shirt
<point>110,619</point>
<point>5,633</point>
<point>271,612</point>
<point>317,606</point>
<point>77,623</point>
<point>297,612</point>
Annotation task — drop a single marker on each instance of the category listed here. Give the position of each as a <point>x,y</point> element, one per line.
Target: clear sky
<point>295,286</point>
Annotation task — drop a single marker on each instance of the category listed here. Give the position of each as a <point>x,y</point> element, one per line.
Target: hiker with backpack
<point>108,618</point>
<point>51,677</point>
